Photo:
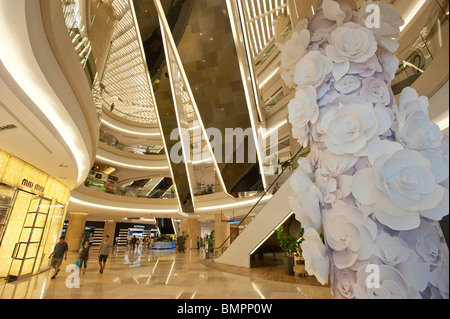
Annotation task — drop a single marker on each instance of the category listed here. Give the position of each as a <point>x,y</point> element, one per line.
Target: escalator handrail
<point>264,194</point>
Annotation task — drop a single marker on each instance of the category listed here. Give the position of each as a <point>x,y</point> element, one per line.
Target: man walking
<point>59,252</point>
<point>103,253</point>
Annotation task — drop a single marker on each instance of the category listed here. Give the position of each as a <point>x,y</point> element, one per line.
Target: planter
<point>289,263</point>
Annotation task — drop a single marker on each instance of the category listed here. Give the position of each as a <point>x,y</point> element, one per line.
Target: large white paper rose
<point>294,49</point>
<point>350,129</point>
<point>333,165</point>
<point>350,43</point>
<point>391,250</point>
<point>348,234</point>
<point>348,84</point>
<point>375,91</point>
<point>415,130</point>
<point>344,285</point>
<point>392,285</point>
<point>315,254</point>
<point>306,205</point>
<point>399,187</point>
<point>389,24</point>
<point>312,69</point>
<point>390,66</point>
<point>291,53</point>
<point>303,110</point>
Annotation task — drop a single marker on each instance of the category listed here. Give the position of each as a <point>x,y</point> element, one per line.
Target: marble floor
<point>155,274</point>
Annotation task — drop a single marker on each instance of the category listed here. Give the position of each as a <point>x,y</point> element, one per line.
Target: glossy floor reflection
<point>153,274</point>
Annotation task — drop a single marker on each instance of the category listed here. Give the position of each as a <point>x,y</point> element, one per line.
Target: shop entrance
<point>26,250</point>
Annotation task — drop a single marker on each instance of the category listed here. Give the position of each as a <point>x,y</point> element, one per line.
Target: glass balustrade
<point>424,49</point>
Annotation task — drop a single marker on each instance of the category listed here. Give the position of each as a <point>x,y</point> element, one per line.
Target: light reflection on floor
<point>153,274</point>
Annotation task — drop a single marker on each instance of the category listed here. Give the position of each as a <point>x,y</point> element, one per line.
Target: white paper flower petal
<point>340,69</point>
<point>409,221</point>
<point>332,10</point>
<point>360,189</point>
<point>440,210</point>
<point>416,274</point>
<point>315,254</point>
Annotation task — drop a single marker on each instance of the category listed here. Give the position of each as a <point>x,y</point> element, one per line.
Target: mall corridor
<point>157,274</point>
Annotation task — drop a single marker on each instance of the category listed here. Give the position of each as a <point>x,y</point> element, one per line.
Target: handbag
<point>77,262</point>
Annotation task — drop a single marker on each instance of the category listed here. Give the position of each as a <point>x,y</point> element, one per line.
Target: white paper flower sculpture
<point>350,129</point>
<point>400,187</point>
<point>315,254</point>
<point>303,110</point>
<point>312,69</point>
<point>349,235</point>
<point>350,43</point>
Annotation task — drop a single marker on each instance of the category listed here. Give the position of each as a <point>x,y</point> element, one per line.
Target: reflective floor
<point>154,274</point>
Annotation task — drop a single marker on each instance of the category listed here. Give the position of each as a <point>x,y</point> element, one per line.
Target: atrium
<point>195,133</point>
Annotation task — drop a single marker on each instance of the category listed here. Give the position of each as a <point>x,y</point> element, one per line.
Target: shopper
<point>103,253</point>
<point>133,243</point>
<point>59,252</point>
<point>85,254</point>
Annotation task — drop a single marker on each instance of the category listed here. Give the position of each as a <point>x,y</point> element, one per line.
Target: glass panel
<point>34,205</point>
<point>32,250</point>
<point>25,235</point>
<point>44,207</point>
<point>22,247</point>
<point>36,235</point>
<point>40,220</point>
<point>27,266</point>
<point>29,220</point>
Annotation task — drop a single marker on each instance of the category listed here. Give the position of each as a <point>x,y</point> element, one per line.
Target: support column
<point>221,231</point>
<point>191,227</point>
<point>75,229</point>
<point>110,229</point>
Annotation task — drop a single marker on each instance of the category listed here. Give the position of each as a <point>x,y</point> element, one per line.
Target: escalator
<point>257,237</point>
<point>161,188</point>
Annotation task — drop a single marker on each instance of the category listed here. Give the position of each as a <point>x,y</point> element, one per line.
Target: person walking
<point>85,254</point>
<point>57,255</point>
<point>103,253</point>
<point>133,243</point>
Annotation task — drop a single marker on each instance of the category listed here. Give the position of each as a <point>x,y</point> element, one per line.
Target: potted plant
<point>181,241</point>
<point>291,248</point>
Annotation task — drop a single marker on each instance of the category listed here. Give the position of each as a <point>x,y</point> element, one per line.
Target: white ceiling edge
<point>40,106</point>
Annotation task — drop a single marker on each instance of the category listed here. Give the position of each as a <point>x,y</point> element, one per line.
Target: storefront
<point>32,211</point>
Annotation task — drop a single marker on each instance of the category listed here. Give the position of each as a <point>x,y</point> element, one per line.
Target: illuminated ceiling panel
<point>125,78</point>
<point>259,16</point>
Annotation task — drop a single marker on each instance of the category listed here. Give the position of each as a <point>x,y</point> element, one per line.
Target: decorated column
<point>376,181</point>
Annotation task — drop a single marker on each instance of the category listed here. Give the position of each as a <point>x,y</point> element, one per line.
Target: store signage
<point>32,185</point>
<point>139,226</point>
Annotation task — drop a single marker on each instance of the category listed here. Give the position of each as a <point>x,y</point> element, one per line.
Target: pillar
<point>110,230</point>
<point>191,227</point>
<point>221,231</point>
<point>75,230</point>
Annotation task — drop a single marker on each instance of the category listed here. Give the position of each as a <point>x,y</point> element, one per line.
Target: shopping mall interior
<point>153,122</point>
